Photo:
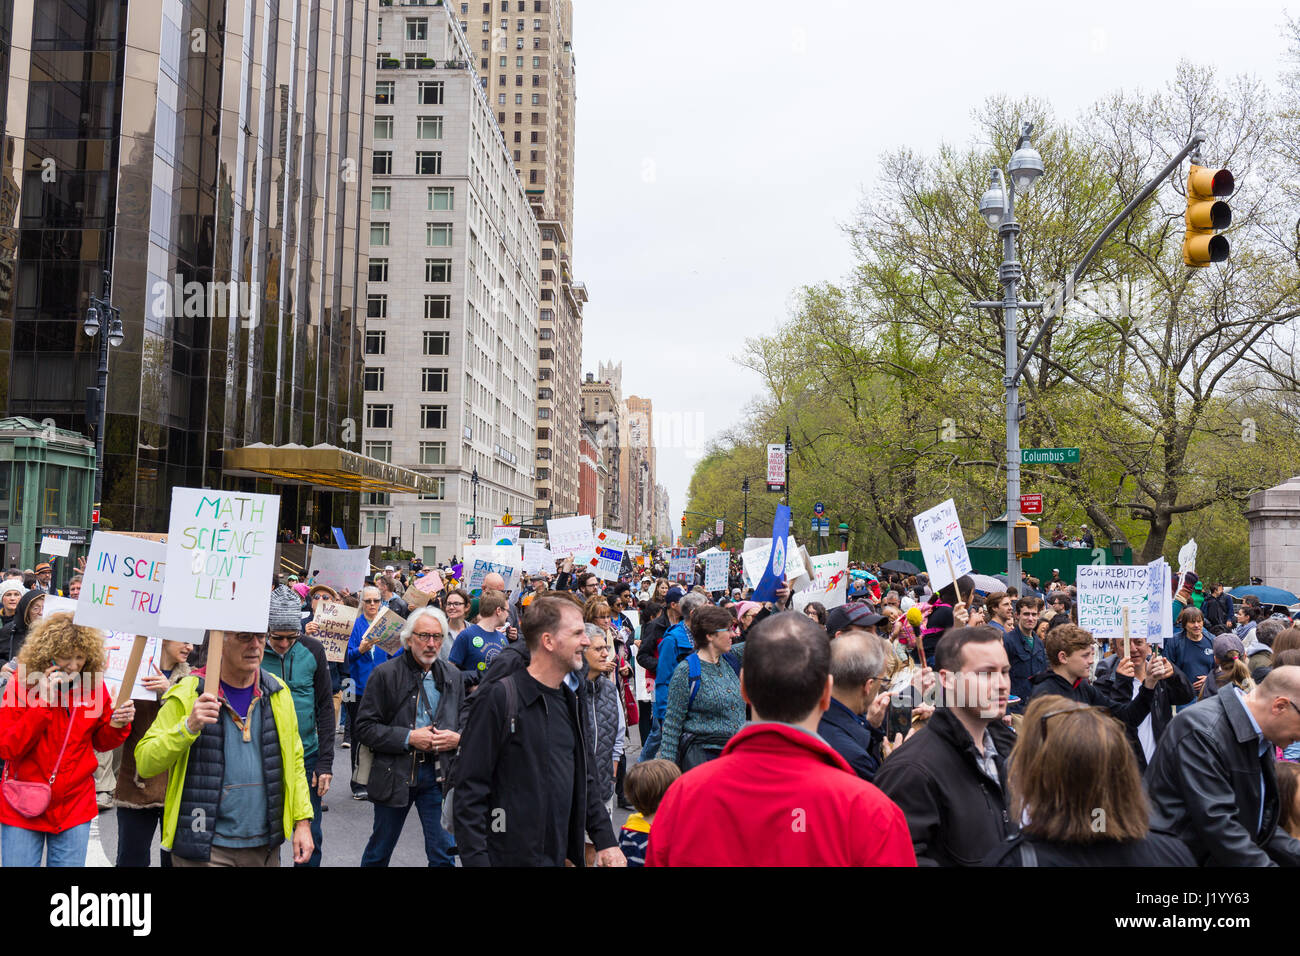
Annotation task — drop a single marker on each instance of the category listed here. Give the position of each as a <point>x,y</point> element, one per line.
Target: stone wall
<point>1274,517</point>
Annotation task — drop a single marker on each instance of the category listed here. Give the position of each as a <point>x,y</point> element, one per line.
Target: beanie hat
<point>12,585</point>
<point>300,590</point>
<point>286,611</point>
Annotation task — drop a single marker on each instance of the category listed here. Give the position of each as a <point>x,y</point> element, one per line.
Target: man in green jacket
<point>247,739</point>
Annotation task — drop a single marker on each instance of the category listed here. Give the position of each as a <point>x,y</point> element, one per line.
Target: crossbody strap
<point>72,713</point>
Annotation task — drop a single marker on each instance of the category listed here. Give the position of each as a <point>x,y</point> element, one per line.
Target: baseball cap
<point>674,595</point>
<point>1225,644</point>
<point>851,615</point>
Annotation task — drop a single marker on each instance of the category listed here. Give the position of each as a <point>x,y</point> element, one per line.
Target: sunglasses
<point>1042,721</point>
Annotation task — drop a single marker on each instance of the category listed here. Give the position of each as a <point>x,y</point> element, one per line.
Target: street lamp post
<point>789,450</point>
<point>744,487</point>
<point>473,481</point>
<point>998,207</point>
<point>101,317</point>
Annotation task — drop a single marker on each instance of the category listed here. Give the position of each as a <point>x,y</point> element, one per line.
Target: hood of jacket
<point>1054,681</point>
<point>21,627</point>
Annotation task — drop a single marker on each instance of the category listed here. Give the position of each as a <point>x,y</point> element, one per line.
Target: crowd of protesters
<point>905,726</point>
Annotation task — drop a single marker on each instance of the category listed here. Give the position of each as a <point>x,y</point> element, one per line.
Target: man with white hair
<point>410,718</point>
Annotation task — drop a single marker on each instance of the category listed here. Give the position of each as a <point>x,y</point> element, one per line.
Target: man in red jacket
<point>779,795</point>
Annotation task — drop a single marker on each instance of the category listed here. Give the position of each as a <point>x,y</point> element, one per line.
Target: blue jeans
<point>426,796</point>
<point>317,836</point>
<point>20,847</point>
<point>651,746</point>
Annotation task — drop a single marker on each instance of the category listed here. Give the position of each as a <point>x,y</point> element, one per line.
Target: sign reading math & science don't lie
<point>220,559</point>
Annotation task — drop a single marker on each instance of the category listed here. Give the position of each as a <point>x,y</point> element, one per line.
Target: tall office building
<point>211,157</point>
<point>524,52</point>
<point>639,476</point>
<point>452,298</point>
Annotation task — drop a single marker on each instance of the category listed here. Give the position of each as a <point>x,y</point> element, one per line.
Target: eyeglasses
<point>426,636</point>
<point>1293,704</point>
<point>249,638</point>
<point>1042,722</point>
<point>371,601</point>
<point>452,604</point>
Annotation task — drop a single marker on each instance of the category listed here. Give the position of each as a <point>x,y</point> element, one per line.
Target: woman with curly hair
<point>54,715</point>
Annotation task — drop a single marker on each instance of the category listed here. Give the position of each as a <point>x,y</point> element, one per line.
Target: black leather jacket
<point>1204,787</point>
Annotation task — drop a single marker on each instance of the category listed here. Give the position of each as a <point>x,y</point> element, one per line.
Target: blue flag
<point>774,573</point>
<point>340,540</point>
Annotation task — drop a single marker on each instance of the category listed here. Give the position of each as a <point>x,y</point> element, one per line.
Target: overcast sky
<point>721,144</point>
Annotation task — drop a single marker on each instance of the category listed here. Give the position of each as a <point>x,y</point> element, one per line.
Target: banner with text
<point>339,569</point>
<point>939,531</point>
<point>571,537</point>
<point>830,583</point>
<point>1105,591</point>
<point>716,566</point>
<point>1160,617</point>
<point>122,588</point>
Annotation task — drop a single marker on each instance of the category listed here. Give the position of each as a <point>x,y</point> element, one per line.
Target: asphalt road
<point>346,826</point>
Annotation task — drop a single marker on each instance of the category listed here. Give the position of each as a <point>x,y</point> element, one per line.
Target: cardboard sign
<point>830,583</point>
<point>939,531</point>
<point>385,630</point>
<point>122,588</point>
<point>335,622</point>
<point>505,534</point>
<point>119,654</point>
<point>484,559</point>
<point>571,537</point>
<point>1105,592</point>
<point>715,571</point>
<point>59,547</point>
<point>339,569</point>
<point>221,558</point>
<point>1160,617</point>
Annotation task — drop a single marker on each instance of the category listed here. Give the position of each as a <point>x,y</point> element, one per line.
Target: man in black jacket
<point>525,786</point>
<point>1212,781</point>
<point>854,723</point>
<point>409,717</point>
<point>950,777</point>
<point>1173,690</point>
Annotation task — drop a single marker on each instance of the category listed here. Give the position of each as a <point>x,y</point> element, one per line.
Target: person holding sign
<point>300,662</point>
<point>53,718</point>
<point>248,790</point>
<point>1070,652</point>
<point>362,658</point>
<point>139,802</point>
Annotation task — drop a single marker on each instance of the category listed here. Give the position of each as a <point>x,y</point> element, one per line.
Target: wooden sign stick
<point>132,669</point>
<point>953,572</point>
<point>1126,638</point>
<point>212,682</point>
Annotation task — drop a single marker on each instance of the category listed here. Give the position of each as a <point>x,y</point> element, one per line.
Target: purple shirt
<point>239,698</point>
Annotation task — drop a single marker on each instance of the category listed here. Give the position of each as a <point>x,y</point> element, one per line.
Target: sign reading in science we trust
<point>220,559</point>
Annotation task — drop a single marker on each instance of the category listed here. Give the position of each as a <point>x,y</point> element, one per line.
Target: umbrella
<point>1266,595</point>
<point>987,584</point>
<point>857,573</point>
<point>901,566</point>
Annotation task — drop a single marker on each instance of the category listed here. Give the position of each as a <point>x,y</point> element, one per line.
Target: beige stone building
<point>526,64</point>
<point>603,410</point>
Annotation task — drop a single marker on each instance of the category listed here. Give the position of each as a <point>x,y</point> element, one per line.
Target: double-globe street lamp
<point>99,314</point>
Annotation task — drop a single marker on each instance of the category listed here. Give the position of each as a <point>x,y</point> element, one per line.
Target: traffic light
<point>1025,538</point>
<point>1206,216</point>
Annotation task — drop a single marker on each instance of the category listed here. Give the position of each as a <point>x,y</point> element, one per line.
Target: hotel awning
<point>324,466</point>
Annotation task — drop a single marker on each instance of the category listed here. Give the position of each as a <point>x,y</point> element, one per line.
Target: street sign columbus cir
<point>1049,456</point>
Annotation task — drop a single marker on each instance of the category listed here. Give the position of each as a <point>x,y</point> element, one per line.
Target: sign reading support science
<point>942,543</point>
<point>220,560</point>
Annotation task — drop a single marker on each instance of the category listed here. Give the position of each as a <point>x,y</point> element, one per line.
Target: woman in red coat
<point>54,714</point>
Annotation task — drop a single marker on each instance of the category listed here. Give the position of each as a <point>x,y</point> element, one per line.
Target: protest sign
<point>775,572</point>
<point>122,588</point>
<point>715,571</point>
<point>53,604</point>
<point>484,559</point>
<point>571,537</point>
<point>385,631</point>
<point>830,582</point>
<point>755,556</point>
<point>939,531</point>
<point>339,569</point>
<point>1106,592</point>
<point>537,557</point>
<point>505,534</point>
<point>681,565</point>
<point>121,648</point>
<point>430,582</point>
<point>335,622</point>
<point>608,560</point>
<point>59,547</point>
<point>221,556</point>
<point>1160,617</point>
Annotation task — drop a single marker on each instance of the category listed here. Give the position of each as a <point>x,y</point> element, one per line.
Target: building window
<point>437,234</point>
<point>548,315</point>
<point>519,43</point>
<point>376,339</point>
<point>519,79</point>
<point>501,80</point>
<point>380,450</point>
<point>439,491</point>
<point>417,29</point>
<point>543,413</point>
<point>433,416</point>
<point>519,99</point>
<point>433,453</point>
<point>516,156</point>
<point>428,163</point>
<point>430,93</point>
<point>537,43</point>
<point>385,93</point>
<point>428,127</point>
<point>519,63</point>
<point>377,499</point>
<point>517,139</point>
<point>442,197</point>
<point>537,63</point>
<point>535,119</point>
<point>430,522</point>
<point>437,270</point>
<point>532,156</point>
<point>437,307</point>
<point>437,343</point>
<point>378,270</point>
<point>373,380</point>
<point>546,334</point>
<point>376,524</point>
<point>379,416</point>
<point>537,99</point>
<point>487,26</point>
<point>432,380</point>
<point>381,198</point>
<point>532,177</point>
<point>379,233</point>
<point>376,306</point>
<point>537,80</point>
<point>501,99</point>
<point>537,24</point>
<point>383,163</point>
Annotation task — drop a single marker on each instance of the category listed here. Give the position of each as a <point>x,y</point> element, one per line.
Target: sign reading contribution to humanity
<point>942,544</point>
<point>221,557</point>
<point>1105,591</point>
